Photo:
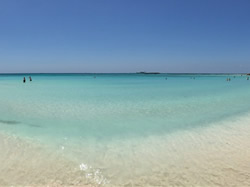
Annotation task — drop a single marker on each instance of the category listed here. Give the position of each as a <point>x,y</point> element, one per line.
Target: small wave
<point>94,175</point>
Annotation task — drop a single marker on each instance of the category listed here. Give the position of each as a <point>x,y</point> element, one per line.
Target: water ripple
<point>94,175</point>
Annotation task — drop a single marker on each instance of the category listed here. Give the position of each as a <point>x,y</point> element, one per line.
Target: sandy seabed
<point>217,155</point>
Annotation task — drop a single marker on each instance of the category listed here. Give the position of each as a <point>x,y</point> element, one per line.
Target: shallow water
<point>125,129</point>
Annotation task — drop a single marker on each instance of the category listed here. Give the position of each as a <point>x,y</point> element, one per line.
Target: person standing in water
<point>24,80</point>
<point>30,78</point>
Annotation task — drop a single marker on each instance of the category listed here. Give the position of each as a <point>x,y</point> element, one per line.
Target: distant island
<point>142,72</point>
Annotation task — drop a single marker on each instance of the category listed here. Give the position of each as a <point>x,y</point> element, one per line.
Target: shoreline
<point>217,155</point>
<point>25,164</point>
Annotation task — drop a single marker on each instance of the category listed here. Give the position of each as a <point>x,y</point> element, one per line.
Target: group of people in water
<point>24,79</point>
<point>229,79</point>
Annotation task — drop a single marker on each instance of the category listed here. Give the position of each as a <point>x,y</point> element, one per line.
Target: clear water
<point>84,115</point>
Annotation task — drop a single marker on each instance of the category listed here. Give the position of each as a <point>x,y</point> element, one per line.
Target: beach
<point>125,130</point>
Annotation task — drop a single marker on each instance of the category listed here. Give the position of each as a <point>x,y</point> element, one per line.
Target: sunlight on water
<point>94,175</point>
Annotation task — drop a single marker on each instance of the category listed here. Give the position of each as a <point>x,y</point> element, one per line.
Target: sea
<point>124,130</point>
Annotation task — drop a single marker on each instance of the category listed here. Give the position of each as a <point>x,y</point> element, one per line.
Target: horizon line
<point>120,73</point>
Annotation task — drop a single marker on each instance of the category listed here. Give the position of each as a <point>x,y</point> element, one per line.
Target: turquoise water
<point>67,110</point>
<point>116,106</point>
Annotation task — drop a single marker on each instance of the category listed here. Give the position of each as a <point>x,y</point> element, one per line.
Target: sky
<point>112,36</point>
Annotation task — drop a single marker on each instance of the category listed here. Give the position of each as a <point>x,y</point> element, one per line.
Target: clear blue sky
<point>124,35</point>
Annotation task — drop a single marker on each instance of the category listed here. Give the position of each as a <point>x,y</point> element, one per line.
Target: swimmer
<point>24,80</point>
